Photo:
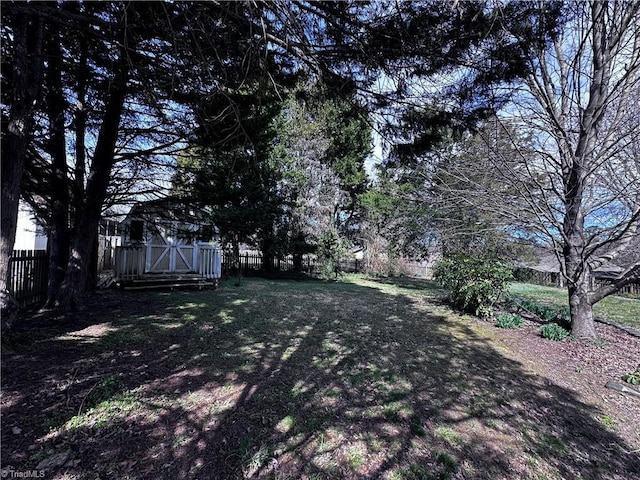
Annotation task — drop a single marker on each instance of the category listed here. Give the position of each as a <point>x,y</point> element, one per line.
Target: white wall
<point>28,235</point>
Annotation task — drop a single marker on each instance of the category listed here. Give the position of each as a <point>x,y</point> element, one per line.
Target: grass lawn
<point>622,310</point>
<point>292,380</point>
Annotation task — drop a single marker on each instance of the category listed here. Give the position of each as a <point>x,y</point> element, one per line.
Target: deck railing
<point>209,261</point>
<point>129,262</point>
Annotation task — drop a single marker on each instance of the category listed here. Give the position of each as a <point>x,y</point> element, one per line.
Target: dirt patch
<point>583,367</point>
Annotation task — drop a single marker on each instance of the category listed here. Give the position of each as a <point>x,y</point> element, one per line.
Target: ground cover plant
<point>360,378</point>
<point>509,320</point>
<point>553,331</point>
<point>633,378</point>
<point>622,310</point>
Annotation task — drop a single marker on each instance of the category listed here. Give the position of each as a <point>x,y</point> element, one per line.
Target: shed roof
<point>170,209</point>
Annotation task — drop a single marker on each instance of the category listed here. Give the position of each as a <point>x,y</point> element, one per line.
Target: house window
<point>135,230</point>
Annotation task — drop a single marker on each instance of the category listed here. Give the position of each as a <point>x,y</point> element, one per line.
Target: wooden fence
<point>28,273</point>
<point>253,264</point>
<point>106,253</point>
<point>537,277</point>
<point>630,289</point>
<point>555,279</point>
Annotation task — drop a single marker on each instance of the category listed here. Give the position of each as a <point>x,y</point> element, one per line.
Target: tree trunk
<point>235,247</point>
<point>59,220</point>
<point>267,254</point>
<point>16,135</point>
<point>80,126</point>
<point>297,262</point>
<point>74,285</point>
<point>577,269</point>
<point>582,320</point>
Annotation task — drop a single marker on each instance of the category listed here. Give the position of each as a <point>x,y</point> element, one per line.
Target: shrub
<point>509,320</point>
<point>474,283</point>
<point>329,250</point>
<point>553,331</point>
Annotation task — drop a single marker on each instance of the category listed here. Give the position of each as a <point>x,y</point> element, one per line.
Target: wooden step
<point>169,286</point>
<point>161,282</point>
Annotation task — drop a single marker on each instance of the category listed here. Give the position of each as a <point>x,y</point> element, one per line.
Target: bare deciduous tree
<point>577,185</point>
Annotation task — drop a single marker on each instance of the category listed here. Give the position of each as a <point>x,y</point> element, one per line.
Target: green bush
<point>474,283</point>
<point>330,248</point>
<point>553,331</point>
<point>509,320</point>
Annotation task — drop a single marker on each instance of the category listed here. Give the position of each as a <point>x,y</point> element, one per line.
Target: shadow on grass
<point>290,380</point>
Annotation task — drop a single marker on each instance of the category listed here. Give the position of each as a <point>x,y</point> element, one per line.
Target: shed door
<point>166,253</point>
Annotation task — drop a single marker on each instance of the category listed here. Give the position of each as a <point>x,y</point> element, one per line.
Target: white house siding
<point>29,236</point>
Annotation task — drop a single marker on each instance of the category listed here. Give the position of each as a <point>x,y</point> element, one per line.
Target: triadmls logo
<point>9,472</point>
